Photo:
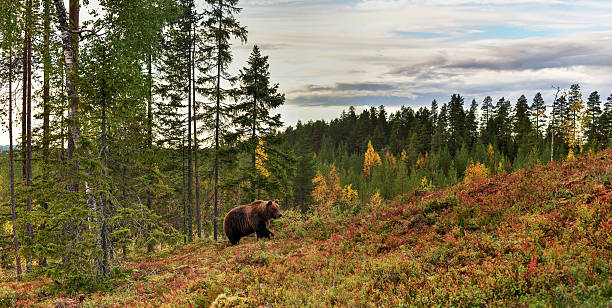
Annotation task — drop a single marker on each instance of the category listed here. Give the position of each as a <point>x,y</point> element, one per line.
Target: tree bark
<point>28,118</point>
<point>150,246</point>
<point>103,229</point>
<point>189,152</point>
<point>217,111</point>
<point>46,98</point>
<point>195,139</point>
<point>12,168</point>
<point>70,50</point>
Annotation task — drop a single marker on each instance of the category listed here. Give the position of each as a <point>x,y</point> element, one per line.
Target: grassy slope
<point>541,236</point>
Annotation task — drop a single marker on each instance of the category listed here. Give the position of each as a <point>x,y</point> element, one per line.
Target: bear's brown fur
<point>251,218</point>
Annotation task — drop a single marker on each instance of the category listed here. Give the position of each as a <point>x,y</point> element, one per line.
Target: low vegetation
<point>537,237</point>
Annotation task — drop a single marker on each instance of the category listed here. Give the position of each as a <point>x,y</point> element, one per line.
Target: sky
<point>328,55</point>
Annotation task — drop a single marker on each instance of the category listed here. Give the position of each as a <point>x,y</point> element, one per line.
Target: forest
<point>131,137</point>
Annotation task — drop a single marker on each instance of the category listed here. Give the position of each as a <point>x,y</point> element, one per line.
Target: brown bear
<point>251,218</point>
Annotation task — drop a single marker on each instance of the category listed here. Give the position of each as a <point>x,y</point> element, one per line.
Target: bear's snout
<point>280,215</point>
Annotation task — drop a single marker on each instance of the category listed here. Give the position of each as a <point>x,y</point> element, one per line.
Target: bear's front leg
<point>263,232</point>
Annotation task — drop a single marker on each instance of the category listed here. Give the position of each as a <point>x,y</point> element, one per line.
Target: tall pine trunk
<point>195,138</point>
<point>189,151</point>
<point>150,246</point>
<point>104,206</point>
<point>12,168</point>
<point>46,98</point>
<point>28,120</point>
<point>217,111</point>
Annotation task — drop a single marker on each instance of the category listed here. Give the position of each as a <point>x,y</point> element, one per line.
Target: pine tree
<point>522,124</point>
<point>471,122</point>
<point>487,111</point>
<point>9,29</point>
<point>574,123</point>
<point>175,113</point>
<point>253,118</point>
<point>456,122</point>
<point>538,113</point>
<point>440,137</point>
<point>605,123</point>
<point>594,113</point>
<point>219,26</point>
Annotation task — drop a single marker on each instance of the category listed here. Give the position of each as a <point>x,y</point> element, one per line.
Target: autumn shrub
<point>476,172</point>
<point>7,297</point>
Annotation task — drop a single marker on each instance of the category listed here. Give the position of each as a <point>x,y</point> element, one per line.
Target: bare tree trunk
<point>150,246</point>
<point>70,48</point>
<point>195,140</point>
<point>103,229</point>
<point>46,98</point>
<point>28,119</point>
<point>216,205</point>
<point>552,127</point>
<point>184,187</point>
<point>189,156</point>
<point>12,168</point>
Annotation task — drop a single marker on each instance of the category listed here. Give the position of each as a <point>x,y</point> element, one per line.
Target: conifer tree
<point>456,122</point>
<point>252,115</point>
<point>440,136</point>
<point>574,123</point>
<point>218,28</point>
<point>8,33</point>
<point>487,110</point>
<point>471,122</point>
<point>605,123</point>
<point>522,124</point>
<point>538,112</point>
<point>594,113</point>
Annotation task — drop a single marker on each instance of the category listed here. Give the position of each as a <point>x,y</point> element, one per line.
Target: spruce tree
<point>594,113</point>
<point>471,122</point>
<point>9,35</point>
<point>218,28</point>
<point>522,123</point>
<point>538,113</point>
<point>252,115</point>
<point>487,110</point>
<point>456,122</point>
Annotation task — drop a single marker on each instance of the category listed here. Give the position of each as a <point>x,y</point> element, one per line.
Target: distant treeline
<point>502,135</point>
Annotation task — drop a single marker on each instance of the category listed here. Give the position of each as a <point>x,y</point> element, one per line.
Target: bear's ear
<point>269,203</point>
<point>276,201</point>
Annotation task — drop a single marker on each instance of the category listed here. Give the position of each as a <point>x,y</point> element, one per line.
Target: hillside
<point>541,236</point>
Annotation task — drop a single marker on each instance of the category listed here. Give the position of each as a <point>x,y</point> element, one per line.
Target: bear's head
<point>273,210</point>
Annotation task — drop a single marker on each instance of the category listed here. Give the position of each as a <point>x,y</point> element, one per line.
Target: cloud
<point>518,55</point>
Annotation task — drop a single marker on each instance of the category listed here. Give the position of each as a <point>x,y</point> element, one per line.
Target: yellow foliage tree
<point>260,159</point>
<point>349,195</point>
<point>574,125</point>
<point>391,159</point>
<point>372,159</point>
<point>403,156</point>
<point>422,161</point>
<point>327,190</point>
<point>476,172</point>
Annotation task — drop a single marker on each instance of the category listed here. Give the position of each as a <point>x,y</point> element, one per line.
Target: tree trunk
<point>216,205</point>
<point>47,66</point>
<point>103,229</point>
<point>28,118</point>
<point>12,168</point>
<point>70,50</point>
<point>150,246</point>
<point>189,156</point>
<point>195,139</point>
<point>254,128</point>
<point>184,187</point>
